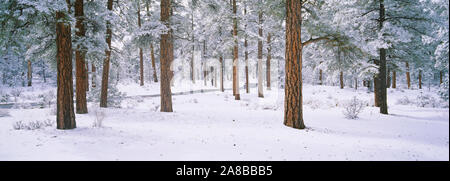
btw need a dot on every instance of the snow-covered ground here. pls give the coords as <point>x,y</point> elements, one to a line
<point>213,126</point>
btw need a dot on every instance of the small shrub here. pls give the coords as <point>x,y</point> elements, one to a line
<point>353,107</point>
<point>404,101</point>
<point>425,100</point>
<point>32,125</point>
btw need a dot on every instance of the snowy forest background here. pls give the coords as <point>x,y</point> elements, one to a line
<point>229,71</point>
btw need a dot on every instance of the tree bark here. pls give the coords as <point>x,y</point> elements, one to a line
<point>155,75</point>
<point>86,81</point>
<point>247,85</point>
<point>440,77</point>
<point>166,58</point>
<point>193,50</point>
<point>356,83</point>
<point>269,58</point>
<point>236,52</point>
<point>260,56</point>
<point>293,111</point>
<point>94,75</point>
<point>105,77</point>
<point>420,79</point>
<point>394,79</point>
<point>341,79</point>
<point>221,74</point>
<point>141,57</point>
<point>65,117</point>
<point>382,91</point>
<point>29,73</point>
<point>408,76</point>
<point>81,102</point>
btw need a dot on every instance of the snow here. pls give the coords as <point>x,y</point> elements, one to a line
<point>213,126</point>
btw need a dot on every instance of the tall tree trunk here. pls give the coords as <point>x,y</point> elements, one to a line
<point>193,50</point>
<point>320,76</point>
<point>236,52</point>
<point>420,79</point>
<point>293,110</point>
<point>155,76</point>
<point>260,56</point>
<point>141,56</point>
<point>166,58</point>
<point>356,83</point>
<point>29,73</point>
<point>408,76</point>
<point>394,79</point>
<point>382,91</point>
<point>81,104</point>
<point>94,75</point>
<point>65,116</point>
<point>221,74</point>
<point>205,69</point>
<point>269,58</point>
<point>388,80</point>
<point>375,92</point>
<point>86,80</point>
<point>105,77</point>
<point>341,79</point>
<point>440,77</point>
<point>247,85</point>
<point>43,74</point>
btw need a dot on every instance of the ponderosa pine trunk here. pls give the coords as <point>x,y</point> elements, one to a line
<point>221,74</point>
<point>236,52</point>
<point>155,75</point>
<point>29,73</point>
<point>247,85</point>
<point>382,90</point>
<point>65,116</point>
<point>293,111</point>
<point>394,79</point>
<point>269,58</point>
<point>166,58</point>
<point>86,81</point>
<point>94,75</point>
<point>408,76</point>
<point>260,55</point>
<point>105,76</point>
<point>81,102</point>
<point>420,79</point>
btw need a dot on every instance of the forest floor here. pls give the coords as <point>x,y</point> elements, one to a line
<point>213,126</point>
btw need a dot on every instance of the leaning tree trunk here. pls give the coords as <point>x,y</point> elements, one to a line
<point>260,56</point>
<point>236,52</point>
<point>269,58</point>
<point>105,77</point>
<point>408,76</point>
<point>65,116</point>
<point>166,58</point>
<point>81,104</point>
<point>382,91</point>
<point>293,111</point>
<point>29,73</point>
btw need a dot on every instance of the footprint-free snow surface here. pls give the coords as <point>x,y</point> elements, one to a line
<point>213,126</point>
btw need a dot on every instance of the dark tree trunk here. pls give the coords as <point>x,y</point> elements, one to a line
<point>394,79</point>
<point>65,116</point>
<point>260,56</point>
<point>105,76</point>
<point>87,75</point>
<point>440,77</point>
<point>166,58</point>
<point>94,75</point>
<point>269,58</point>
<point>293,111</point>
<point>341,80</point>
<point>221,74</point>
<point>356,83</point>
<point>193,50</point>
<point>29,73</point>
<point>388,80</point>
<point>81,104</point>
<point>382,91</point>
<point>236,52</point>
<point>408,76</point>
<point>420,79</point>
<point>141,56</point>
